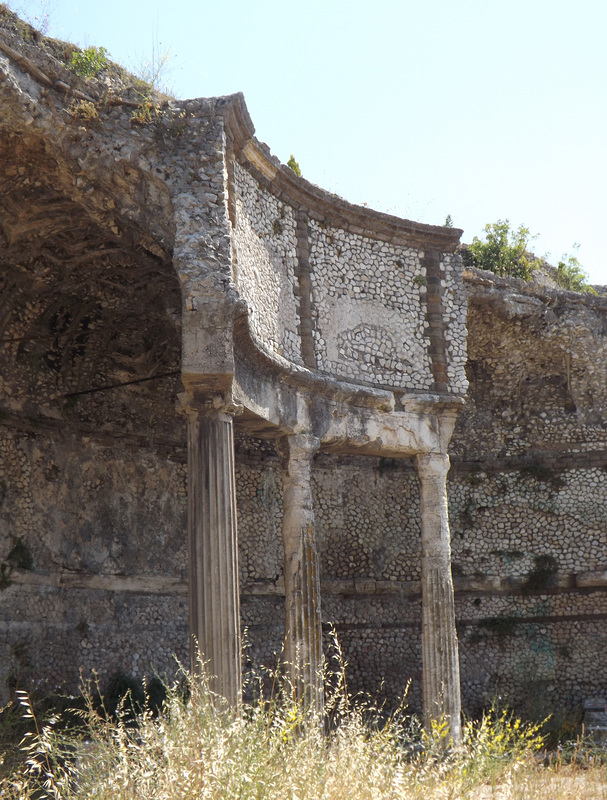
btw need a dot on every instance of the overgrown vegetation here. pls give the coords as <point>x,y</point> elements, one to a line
<point>148,85</point>
<point>37,22</point>
<point>89,62</point>
<point>503,250</point>
<point>188,746</point>
<point>294,165</point>
<point>570,274</point>
<point>84,109</point>
<point>192,749</point>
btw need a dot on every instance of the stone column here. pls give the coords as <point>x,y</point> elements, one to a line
<point>440,658</point>
<point>303,631</point>
<point>213,551</point>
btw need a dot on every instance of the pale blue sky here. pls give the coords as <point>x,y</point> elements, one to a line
<point>480,109</point>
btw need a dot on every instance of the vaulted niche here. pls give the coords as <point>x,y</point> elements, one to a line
<point>89,319</point>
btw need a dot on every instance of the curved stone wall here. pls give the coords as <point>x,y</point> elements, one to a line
<point>347,292</point>
<point>265,256</point>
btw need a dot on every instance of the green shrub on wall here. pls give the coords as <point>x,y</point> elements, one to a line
<point>294,165</point>
<point>570,274</point>
<point>503,251</point>
<point>89,62</point>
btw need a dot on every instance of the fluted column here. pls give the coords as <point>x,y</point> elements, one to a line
<point>213,551</point>
<point>440,657</point>
<point>303,630</point>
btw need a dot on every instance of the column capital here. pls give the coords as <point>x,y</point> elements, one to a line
<point>217,406</point>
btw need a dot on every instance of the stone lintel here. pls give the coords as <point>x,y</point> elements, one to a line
<point>595,579</point>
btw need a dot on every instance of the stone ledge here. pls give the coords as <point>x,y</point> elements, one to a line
<point>553,459</point>
<point>140,584</point>
<point>593,580</point>
<point>348,587</point>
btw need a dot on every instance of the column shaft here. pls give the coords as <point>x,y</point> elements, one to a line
<point>303,630</point>
<point>440,657</point>
<point>213,553</point>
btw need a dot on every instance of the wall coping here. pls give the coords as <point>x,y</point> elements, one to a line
<point>480,283</point>
<point>321,205</point>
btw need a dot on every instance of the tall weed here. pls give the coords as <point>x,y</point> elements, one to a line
<point>194,747</point>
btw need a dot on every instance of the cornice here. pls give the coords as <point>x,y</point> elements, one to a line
<point>319,204</point>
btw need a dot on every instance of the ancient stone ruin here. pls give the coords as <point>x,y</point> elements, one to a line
<point>228,402</point>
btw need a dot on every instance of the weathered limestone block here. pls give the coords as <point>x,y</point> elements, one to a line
<point>441,679</point>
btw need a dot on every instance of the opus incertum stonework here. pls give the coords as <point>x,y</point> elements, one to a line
<point>228,402</point>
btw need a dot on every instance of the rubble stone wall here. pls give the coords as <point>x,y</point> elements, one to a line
<point>265,243</point>
<point>97,330</point>
<point>100,511</point>
<point>369,314</point>
<point>360,294</point>
<point>527,498</point>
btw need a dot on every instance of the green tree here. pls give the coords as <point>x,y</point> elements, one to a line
<point>89,62</point>
<point>503,251</point>
<point>570,273</point>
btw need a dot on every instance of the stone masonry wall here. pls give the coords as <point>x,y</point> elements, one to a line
<point>369,315</point>
<point>350,304</point>
<point>99,217</point>
<point>369,543</point>
<point>528,489</point>
<point>456,321</point>
<point>100,513</point>
<point>264,243</point>
<point>114,283</point>
<point>86,522</point>
<point>537,378</point>
<point>527,499</point>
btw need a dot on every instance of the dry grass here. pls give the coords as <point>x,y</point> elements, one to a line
<point>193,749</point>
